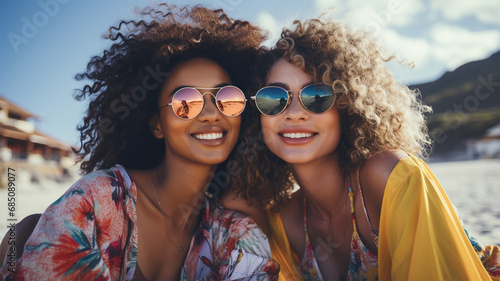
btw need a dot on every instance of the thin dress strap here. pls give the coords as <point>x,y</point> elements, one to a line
<point>363,203</point>
<point>351,199</point>
<point>308,265</point>
<point>305,221</point>
<point>363,263</point>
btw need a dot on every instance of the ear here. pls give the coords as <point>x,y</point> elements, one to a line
<point>154,126</point>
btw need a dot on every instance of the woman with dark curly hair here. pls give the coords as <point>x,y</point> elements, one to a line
<point>334,119</point>
<point>163,119</point>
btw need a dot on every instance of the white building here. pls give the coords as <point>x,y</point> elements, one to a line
<point>23,147</point>
<point>486,147</point>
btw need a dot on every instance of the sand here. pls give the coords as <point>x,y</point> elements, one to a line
<point>473,187</point>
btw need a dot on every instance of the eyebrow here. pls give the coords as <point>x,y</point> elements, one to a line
<point>187,86</point>
<point>286,87</point>
<point>278,84</point>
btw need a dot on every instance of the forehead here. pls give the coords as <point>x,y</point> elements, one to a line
<point>197,72</point>
<point>286,73</point>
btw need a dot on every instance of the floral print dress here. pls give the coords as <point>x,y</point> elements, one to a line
<point>90,233</point>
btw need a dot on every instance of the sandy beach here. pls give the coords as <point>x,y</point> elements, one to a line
<point>473,187</point>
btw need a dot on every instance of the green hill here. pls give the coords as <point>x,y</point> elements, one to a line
<point>465,102</point>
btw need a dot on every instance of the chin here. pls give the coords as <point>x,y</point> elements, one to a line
<point>297,159</point>
<point>302,157</point>
<point>214,160</point>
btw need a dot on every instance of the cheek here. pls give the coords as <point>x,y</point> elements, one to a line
<point>171,124</point>
<point>268,125</point>
<point>333,126</point>
<point>234,132</point>
<point>235,124</point>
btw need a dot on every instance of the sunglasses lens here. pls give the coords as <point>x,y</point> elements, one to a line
<point>318,98</point>
<point>271,100</point>
<point>231,101</point>
<point>187,103</point>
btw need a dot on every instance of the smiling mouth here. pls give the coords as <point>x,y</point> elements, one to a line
<point>209,136</point>
<point>297,135</point>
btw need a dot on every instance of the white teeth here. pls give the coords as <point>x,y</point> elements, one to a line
<point>297,135</point>
<point>211,136</point>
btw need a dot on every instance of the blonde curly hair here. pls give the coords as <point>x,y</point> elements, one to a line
<point>377,112</point>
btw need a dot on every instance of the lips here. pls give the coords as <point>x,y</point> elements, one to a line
<point>297,136</point>
<point>208,136</point>
<point>211,136</point>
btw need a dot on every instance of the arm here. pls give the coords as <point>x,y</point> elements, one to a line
<point>233,202</point>
<point>63,246</point>
<point>421,237</point>
<point>273,228</point>
<point>242,251</point>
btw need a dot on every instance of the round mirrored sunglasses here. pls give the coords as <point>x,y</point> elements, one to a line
<point>188,102</point>
<point>273,100</point>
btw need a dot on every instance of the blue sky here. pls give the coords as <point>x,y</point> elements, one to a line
<point>44,43</point>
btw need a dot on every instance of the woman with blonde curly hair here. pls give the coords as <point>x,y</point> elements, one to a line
<point>335,120</point>
<point>147,208</point>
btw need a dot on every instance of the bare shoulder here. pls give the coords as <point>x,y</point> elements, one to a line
<point>378,169</point>
<point>230,200</point>
<point>375,172</point>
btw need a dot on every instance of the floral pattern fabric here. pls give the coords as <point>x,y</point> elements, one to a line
<point>90,233</point>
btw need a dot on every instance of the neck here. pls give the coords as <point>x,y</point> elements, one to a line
<point>180,187</point>
<point>322,182</point>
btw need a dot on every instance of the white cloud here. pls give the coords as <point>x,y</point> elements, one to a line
<point>324,5</point>
<point>454,46</point>
<point>486,11</point>
<point>266,21</point>
<point>382,13</point>
<point>448,45</point>
<point>440,47</point>
<point>413,49</point>
<point>406,12</point>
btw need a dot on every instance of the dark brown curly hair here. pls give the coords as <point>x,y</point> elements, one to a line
<point>376,112</point>
<point>127,78</point>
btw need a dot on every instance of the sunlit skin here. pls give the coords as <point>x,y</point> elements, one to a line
<point>182,136</point>
<point>321,131</point>
<point>182,178</point>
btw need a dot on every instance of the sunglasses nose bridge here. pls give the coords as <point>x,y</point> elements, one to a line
<point>211,100</point>
<point>295,109</point>
<point>209,109</point>
<point>204,93</point>
<point>294,98</point>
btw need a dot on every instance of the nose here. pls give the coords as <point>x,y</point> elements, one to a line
<point>209,113</point>
<point>295,111</point>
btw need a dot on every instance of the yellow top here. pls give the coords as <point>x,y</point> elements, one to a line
<point>280,249</point>
<point>420,234</point>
